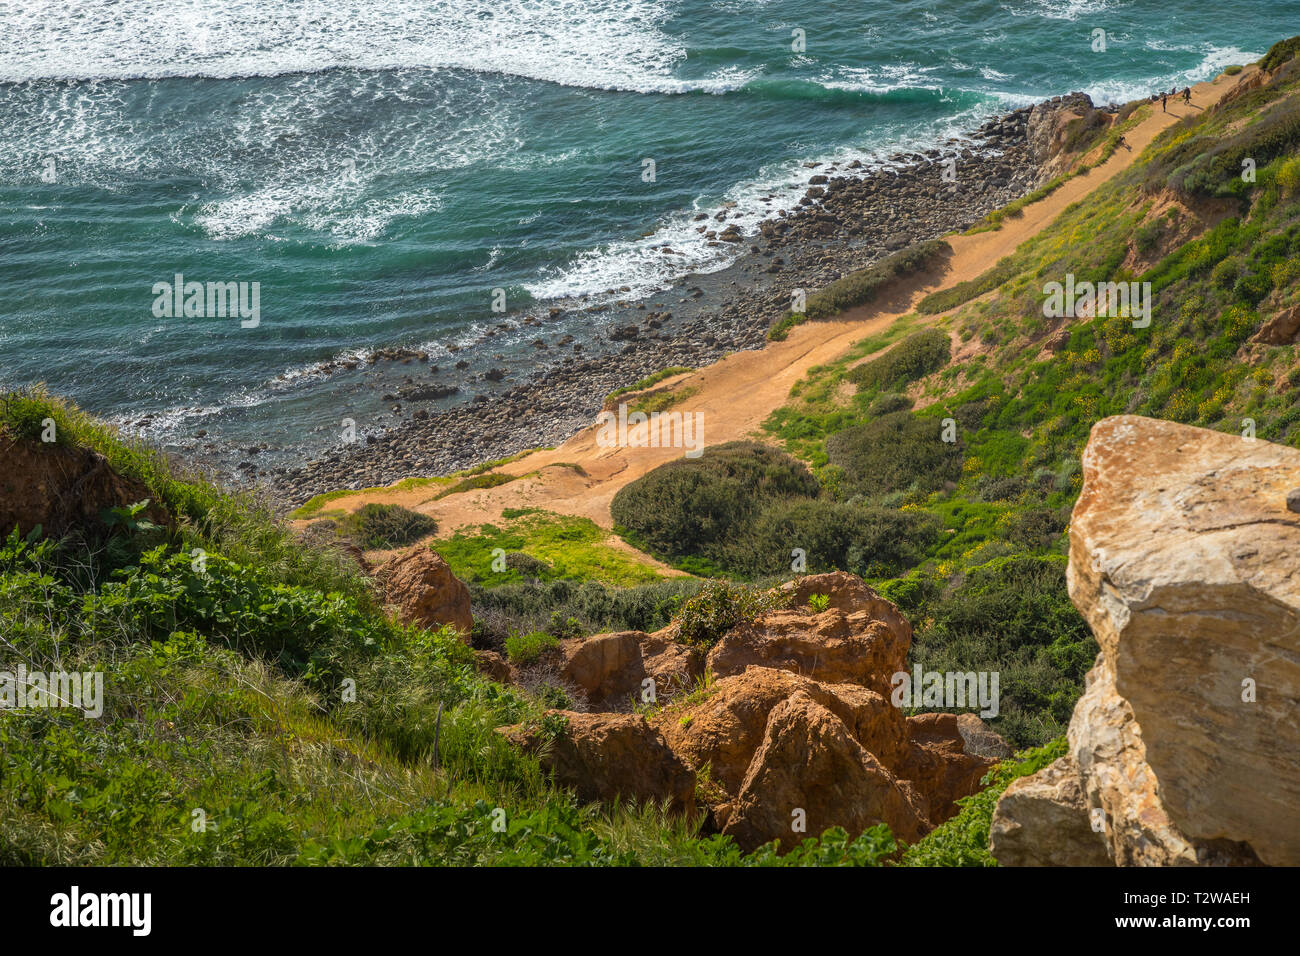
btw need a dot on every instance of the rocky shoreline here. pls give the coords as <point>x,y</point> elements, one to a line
<point>849,217</point>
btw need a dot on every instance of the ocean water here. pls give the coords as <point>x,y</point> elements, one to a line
<point>380,169</point>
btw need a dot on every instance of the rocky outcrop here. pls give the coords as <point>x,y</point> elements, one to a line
<point>808,774</point>
<point>58,488</point>
<point>726,729</point>
<point>1047,129</point>
<point>939,764</point>
<point>795,731</point>
<point>980,739</point>
<point>1182,554</point>
<point>672,666</point>
<point>607,668</point>
<point>860,638</point>
<point>795,676</point>
<point>420,584</point>
<point>1281,329</point>
<point>604,757</point>
<point>492,665</point>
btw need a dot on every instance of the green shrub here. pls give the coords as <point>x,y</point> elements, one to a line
<point>1279,53</point>
<point>1013,615</point>
<point>721,605</point>
<point>835,536</point>
<point>889,402</point>
<point>916,356</point>
<point>894,453</point>
<point>690,507</point>
<point>860,287</point>
<point>596,606</point>
<point>383,527</point>
<point>527,648</point>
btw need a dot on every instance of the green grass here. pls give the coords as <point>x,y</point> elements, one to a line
<point>527,648</point>
<point>864,285</point>
<point>568,547</point>
<point>476,482</point>
<point>652,379</point>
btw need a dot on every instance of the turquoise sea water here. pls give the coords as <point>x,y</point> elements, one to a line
<point>379,169</point>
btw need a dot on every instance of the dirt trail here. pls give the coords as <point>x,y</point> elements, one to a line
<point>736,394</point>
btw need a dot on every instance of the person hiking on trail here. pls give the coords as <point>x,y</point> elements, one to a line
<point>1164,97</point>
<point>1187,94</point>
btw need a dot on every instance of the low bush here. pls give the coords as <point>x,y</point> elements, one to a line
<point>382,527</point>
<point>914,357</point>
<point>860,287</point>
<point>691,507</point>
<point>721,605</point>
<point>894,453</point>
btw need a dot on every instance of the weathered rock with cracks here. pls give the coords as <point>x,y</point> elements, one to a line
<point>1182,560</point>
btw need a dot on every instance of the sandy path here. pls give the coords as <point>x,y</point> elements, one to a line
<point>735,395</point>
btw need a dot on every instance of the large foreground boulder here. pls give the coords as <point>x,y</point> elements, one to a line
<point>1182,560</point>
<point>420,584</point>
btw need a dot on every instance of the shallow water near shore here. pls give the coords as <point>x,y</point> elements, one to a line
<point>380,172</point>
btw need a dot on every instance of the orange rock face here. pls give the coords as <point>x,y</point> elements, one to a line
<point>59,488</point>
<point>420,584</point>
<point>861,638</point>
<point>611,756</point>
<point>796,732</point>
<point>808,774</point>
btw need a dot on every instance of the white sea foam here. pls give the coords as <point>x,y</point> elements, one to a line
<point>644,267</point>
<point>1213,60</point>
<point>603,44</point>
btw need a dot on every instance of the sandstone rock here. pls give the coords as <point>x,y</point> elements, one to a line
<point>861,638</point>
<point>425,592</point>
<point>1281,329</point>
<point>493,665</point>
<point>980,739</point>
<point>1181,560</point>
<point>1043,820</point>
<point>606,667</point>
<point>675,667</point>
<point>608,756</point>
<point>939,765</point>
<point>1182,556</point>
<point>809,762</point>
<point>725,730</point>
<point>60,488</point>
